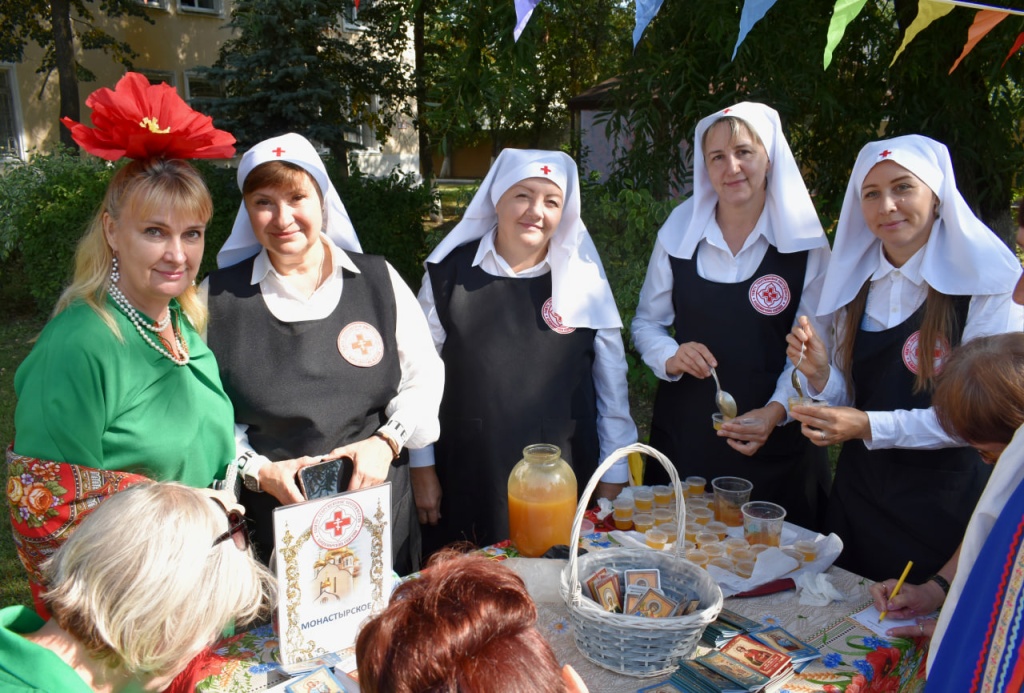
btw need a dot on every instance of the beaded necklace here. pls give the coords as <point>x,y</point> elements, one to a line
<point>144,326</point>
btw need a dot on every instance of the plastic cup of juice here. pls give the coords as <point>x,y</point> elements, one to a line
<point>691,530</point>
<point>743,555</point>
<point>721,562</point>
<point>807,549</point>
<point>701,516</point>
<point>715,549</point>
<point>663,516</point>
<point>663,496</point>
<point>744,568</point>
<point>643,521</point>
<point>704,538</point>
<point>719,528</point>
<point>731,492</point>
<point>622,513</point>
<point>697,556</point>
<point>656,538</point>
<point>671,533</point>
<point>762,522</point>
<point>695,485</point>
<point>643,498</point>
<point>735,544</point>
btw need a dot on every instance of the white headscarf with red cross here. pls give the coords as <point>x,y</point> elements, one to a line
<point>794,221</point>
<point>962,257</point>
<point>580,291</point>
<point>295,149</point>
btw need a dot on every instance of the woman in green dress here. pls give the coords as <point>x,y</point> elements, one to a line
<point>119,387</point>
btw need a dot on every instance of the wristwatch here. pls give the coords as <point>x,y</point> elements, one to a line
<point>942,582</point>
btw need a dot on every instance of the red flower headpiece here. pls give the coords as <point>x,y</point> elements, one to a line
<point>141,121</point>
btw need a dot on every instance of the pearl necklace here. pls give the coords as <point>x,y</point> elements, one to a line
<point>142,326</point>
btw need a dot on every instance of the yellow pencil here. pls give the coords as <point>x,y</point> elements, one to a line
<point>896,589</point>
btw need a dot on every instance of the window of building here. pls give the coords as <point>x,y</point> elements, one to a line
<point>158,76</point>
<point>200,86</point>
<point>209,6</point>
<point>10,126</point>
<point>157,4</point>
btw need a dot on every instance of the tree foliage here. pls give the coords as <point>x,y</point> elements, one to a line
<point>295,67</point>
<point>682,71</point>
<point>55,27</point>
<point>481,82</point>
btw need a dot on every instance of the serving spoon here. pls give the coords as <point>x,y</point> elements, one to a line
<point>726,404</point>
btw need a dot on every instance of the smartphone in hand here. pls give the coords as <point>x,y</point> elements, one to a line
<point>325,478</point>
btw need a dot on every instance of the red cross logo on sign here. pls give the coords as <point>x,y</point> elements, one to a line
<point>769,295</point>
<point>338,523</point>
<point>362,344</point>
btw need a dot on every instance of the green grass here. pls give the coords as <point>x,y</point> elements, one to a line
<point>16,335</point>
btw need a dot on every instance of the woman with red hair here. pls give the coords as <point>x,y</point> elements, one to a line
<point>466,624</point>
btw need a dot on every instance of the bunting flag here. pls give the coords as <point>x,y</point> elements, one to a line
<point>984,22</point>
<point>524,9</point>
<point>753,12</point>
<point>845,12</point>
<point>1016,47</point>
<point>645,12</point>
<point>927,12</point>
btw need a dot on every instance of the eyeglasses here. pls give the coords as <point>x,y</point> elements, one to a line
<point>237,529</point>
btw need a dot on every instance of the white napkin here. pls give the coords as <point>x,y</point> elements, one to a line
<point>816,589</point>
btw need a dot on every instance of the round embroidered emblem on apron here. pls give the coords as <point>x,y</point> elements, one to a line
<point>910,358</point>
<point>360,344</point>
<point>769,294</point>
<point>553,319</point>
<point>337,524</point>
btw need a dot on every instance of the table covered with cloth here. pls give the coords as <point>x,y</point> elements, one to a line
<point>854,659</point>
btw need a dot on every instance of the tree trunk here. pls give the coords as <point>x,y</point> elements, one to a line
<point>64,53</point>
<point>426,154</point>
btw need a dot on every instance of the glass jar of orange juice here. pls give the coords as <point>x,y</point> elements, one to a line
<point>541,500</point>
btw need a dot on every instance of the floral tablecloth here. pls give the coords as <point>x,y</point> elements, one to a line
<point>855,660</point>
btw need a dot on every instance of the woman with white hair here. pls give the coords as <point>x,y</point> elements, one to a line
<point>134,602</point>
<point>913,274</point>
<point>521,311</point>
<point>733,267</point>
<point>322,349</point>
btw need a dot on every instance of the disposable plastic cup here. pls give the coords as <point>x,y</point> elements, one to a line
<point>697,556</point>
<point>656,538</point>
<point>704,538</point>
<point>643,521</point>
<point>695,485</point>
<point>701,516</point>
<point>807,549</point>
<point>643,498</point>
<point>719,528</point>
<point>731,492</point>
<point>762,522</point>
<point>663,496</point>
<point>663,516</point>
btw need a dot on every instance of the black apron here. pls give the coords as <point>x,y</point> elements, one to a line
<point>511,380</point>
<point>893,505</point>
<point>745,326</point>
<point>290,384</point>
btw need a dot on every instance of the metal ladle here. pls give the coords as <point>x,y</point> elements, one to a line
<point>726,404</point>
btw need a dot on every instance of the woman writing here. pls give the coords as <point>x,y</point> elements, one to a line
<point>913,274</point>
<point>127,614</point>
<point>119,387</point>
<point>323,350</point>
<point>522,314</point>
<point>732,268</point>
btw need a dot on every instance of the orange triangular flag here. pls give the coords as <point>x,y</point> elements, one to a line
<point>1016,47</point>
<point>927,12</point>
<point>984,22</point>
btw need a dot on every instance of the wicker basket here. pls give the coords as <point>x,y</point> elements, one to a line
<point>636,645</point>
